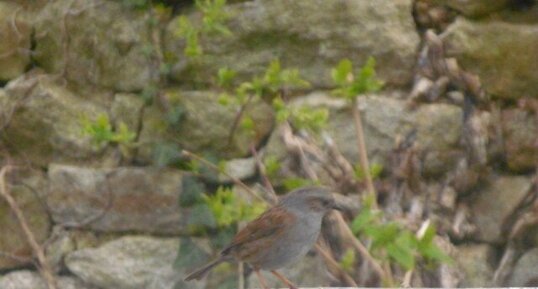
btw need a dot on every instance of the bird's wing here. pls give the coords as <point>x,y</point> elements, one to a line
<point>260,233</point>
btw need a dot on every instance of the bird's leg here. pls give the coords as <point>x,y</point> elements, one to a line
<point>263,283</point>
<point>284,279</point>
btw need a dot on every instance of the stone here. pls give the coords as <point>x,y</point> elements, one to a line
<point>495,202</point>
<point>525,273</point>
<point>310,35</point>
<point>127,108</point>
<point>238,168</point>
<point>520,129</point>
<point>27,190</point>
<point>505,62</point>
<point>385,117</point>
<point>474,8</point>
<point>309,272</point>
<point>15,32</point>
<point>124,199</point>
<point>95,44</point>
<point>204,125</point>
<point>131,262</point>
<point>26,279</point>
<point>474,262</point>
<point>43,122</point>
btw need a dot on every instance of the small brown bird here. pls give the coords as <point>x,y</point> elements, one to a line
<point>281,235</point>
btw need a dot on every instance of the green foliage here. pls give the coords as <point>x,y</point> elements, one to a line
<point>375,171</point>
<point>214,15</point>
<point>272,165</point>
<point>268,87</point>
<point>228,209</point>
<point>137,4</point>
<point>213,18</point>
<point>166,153</point>
<point>226,77</point>
<point>350,85</point>
<point>273,80</point>
<point>348,259</point>
<point>295,183</point>
<point>191,35</point>
<point>311,119</point>
<point>304,117</point>
<point>393,241</point>
<point>101,132</point>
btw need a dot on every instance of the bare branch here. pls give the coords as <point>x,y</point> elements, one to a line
<point>38,251</point>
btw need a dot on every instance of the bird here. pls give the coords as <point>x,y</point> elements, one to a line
<point>280,236</point>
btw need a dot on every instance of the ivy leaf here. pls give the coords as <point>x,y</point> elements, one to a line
<point>189,255</point>
<point>165,153</point>
<point>191,191</point>
<point>201,216</point>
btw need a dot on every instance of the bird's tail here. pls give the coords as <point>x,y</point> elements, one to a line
<point>201,272</point>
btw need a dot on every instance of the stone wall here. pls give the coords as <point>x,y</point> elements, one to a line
<point>110,215</point>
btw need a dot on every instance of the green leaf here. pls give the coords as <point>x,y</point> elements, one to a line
<point>434,254</point>
<point>226,77</point>
<point>295,183</point>
<point>382,234</point>
<point>402,250</point>
<point>342,74</point>
<point>311,119</point>
<point>123,135</point>
<point>272,165</point>
<point>364,219</point>
<point>348,259</point>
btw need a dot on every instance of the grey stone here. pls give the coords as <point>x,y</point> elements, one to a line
<point>474,8</point>
<point>131,262</point>
<point>118,200</point>
<point>495,202</point>
<point>27,190</point>
<point>473,262</point>
<point>32,280</point>
<point>310,35</point>
<point>204,126</point>
<point>95,44</point>
<point>500,53</point>
<point>127,108</point>
<point>42,122</point>
<point>15,31</point>
<point>520,128</point>
<point>525,273</point>
<point>309,272</point>
<point>239,168</point>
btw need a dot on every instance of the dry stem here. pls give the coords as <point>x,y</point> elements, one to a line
<point>44,268</point>
<point>363,155</point>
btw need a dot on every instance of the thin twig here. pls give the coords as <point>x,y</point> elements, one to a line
<point>364,251</point>
<point>363,155</point>
<point>238,117</point>
<point>43,267</point>
<point>324,252</point>
<point>263,173</point>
